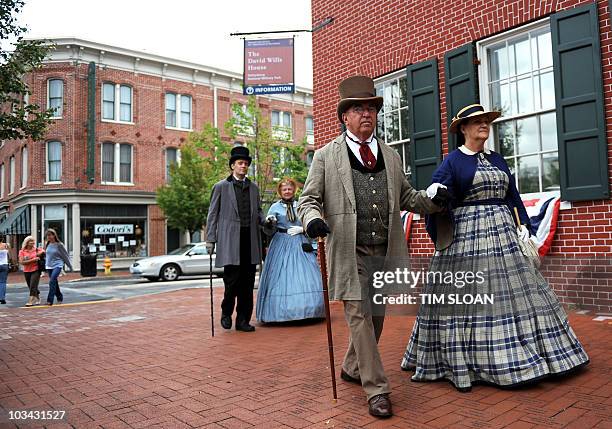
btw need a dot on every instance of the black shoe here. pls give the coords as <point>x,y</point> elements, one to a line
<point>244,327</point>
<point>226,321</point>
<point>346,377</point>
<point>380,406</point>
<point>2,301</point>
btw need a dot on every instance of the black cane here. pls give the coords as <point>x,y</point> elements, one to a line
<point>330,340</point>
<point>212,318</point>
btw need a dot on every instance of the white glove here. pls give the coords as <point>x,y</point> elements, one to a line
<point>432,190</point>
<point>271,219</point>
<point>210,247</point>
<point>523,233</point>
<point>295,230</point>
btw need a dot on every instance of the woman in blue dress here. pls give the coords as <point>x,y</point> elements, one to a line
<point>290,284</point>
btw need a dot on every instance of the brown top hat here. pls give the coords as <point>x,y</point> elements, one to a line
<point>468,112</point>
<point>357,89</point>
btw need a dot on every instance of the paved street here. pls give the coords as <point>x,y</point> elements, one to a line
<point>150,362</point>
<point>77,290</point>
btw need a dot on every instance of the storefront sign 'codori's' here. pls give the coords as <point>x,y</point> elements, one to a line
<point>113,229</point>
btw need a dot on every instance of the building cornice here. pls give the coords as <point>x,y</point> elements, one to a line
<point>80,51</point>
<point>72,196</point>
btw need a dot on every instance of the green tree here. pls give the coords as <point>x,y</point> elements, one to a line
<point>182,199</point>
<point>216,154</point>
<point>19,119</point>
<point>274,153</point>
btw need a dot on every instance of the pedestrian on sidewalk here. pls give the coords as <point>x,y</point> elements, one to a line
<point>30,258</point>
<point>4,270</point>
<point>55,259</point>
<point>290,284</point>
<point>355,190</point>
<point>234,226</point>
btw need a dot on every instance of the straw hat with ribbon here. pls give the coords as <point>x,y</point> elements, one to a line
<point>355,90</point>
<point>471,111</point>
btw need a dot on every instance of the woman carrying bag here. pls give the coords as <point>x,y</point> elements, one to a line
<point>55,259</point>
<point>290,285</point>
<point>30,258</point>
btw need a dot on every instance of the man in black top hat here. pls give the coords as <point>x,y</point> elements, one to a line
<point>234,220</point>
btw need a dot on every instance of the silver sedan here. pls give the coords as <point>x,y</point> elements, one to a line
<point>191,259</point>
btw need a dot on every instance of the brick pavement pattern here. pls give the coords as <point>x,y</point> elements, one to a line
<point>150,362</point>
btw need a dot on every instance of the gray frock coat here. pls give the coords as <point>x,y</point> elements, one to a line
<point>223,223</point>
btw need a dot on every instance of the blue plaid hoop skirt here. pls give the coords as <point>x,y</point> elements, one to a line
<point>524,335</point>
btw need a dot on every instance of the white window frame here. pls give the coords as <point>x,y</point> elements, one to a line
<point>24,167</point>
<point>117,165</point>
<point>117,104</point>
<point>12,174</point>
<point>49,97</point>
<point>382,139</point>
<point>47,181</point>
<point>282,131</point>
<point>178,160</point>
<point>178,112</point>
<point>309,133</point>
<point>2,180</point>
<point>483,79</point>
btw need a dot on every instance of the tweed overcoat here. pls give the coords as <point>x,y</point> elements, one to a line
<point>329,194</point>
<point>223,223</point>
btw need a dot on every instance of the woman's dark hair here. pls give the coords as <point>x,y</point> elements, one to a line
<point>54,233</point>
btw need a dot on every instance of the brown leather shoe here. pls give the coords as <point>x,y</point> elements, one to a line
<point>380,406</point>
<point>344,375</point>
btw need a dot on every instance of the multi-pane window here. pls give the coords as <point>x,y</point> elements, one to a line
<point>116,163</point>
<point>172,157</point>
<point>181,104</point>
<point>519,82</point>
<point>12,175</point>
<point>108,162</point>
<point>116,102</point>
<point>309,123</point>
<point>24,167</point>
<point>281,125</point>
<point>392,122</point>
<point>55,96</point>
<point>54,161</point>
<point>309,157</point>
<point>245,121</point>
<point>1,180</point>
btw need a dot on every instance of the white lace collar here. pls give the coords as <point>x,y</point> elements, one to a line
<point>467,151</point>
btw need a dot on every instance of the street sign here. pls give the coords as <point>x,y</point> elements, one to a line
<point>268,67</point>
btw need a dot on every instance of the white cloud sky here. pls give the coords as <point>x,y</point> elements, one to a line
<point>196,31</point>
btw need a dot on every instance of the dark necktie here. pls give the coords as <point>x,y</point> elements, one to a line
<point>368,158</point>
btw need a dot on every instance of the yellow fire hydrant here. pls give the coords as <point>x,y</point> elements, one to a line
<point>107,265</point>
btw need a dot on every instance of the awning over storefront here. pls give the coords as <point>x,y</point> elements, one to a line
<point>17,222</point>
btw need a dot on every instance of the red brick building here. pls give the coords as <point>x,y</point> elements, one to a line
<point>546,64</point>
<point>121,118</point>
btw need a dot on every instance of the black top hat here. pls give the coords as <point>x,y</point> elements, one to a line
<point>239,152</point>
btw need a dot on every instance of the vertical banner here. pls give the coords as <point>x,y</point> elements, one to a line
<point>268,67</point>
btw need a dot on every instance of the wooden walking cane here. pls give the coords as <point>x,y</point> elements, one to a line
<point>330,340</point>
<point>212,319</point>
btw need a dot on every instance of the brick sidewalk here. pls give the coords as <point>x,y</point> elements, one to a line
<point>150,362</point>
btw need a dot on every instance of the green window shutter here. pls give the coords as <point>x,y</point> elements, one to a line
<point>424,107</point>
<point>460,84</point>
<point>583,160</point>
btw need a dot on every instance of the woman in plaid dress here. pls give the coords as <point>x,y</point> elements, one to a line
<point>524,334</point>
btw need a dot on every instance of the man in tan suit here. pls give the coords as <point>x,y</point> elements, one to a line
<point>355,190</point>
